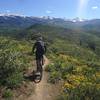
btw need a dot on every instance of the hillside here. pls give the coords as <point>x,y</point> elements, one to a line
<point>66,40</point>
<point>73,49</point>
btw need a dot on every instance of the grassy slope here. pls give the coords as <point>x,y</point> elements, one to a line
<point>15,57</point>
<point>74,63</point>
<point>75,43</point>
<point>60,41</point>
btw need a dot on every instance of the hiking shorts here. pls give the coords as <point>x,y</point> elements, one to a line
<point>39,56</point>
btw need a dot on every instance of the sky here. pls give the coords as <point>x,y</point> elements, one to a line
<point>87,9</point>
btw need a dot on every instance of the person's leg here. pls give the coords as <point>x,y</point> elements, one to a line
<point>37,64</point>
<point>42,60</point>
<point>41,64</point>
<point>39,61</point>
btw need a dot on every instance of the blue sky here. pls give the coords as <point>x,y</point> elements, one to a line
<point>55,8</point>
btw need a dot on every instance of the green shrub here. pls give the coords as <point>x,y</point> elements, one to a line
<point>54,77</point>
<point>81,79</point>
<point>12,65</point>
<point>50,67</point>
<point>15,80</point>
<point>8,95</point>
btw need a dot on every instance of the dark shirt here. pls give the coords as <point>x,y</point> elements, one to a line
<point>39,46</point>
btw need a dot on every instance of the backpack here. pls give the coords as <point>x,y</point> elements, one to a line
<point>40,47</point>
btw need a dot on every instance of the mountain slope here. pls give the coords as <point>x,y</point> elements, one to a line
<point>63,40</point>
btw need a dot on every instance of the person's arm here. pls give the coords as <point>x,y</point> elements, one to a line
<point>33,48</point>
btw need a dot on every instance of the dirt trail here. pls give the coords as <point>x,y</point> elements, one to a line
<point>44,90</point>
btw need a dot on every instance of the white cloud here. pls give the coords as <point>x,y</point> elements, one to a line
<point>48,11</point>
<point>95,7</point>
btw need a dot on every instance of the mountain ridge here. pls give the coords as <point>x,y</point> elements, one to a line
<point>43,18</point>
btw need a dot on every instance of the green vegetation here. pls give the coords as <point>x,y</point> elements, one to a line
<point>81,79</point>
<point>74,55</point>
<point>8,94</point>
<point>14,60</point>
<point>75,61</point>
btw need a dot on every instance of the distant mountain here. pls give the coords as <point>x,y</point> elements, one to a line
<point>18,21</point>
<point>14,22</point>
<point>7,20</point>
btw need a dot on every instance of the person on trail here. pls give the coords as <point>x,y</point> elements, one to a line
<point>40,50</point>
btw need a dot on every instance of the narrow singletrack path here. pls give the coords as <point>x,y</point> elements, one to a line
<point>44,90</point>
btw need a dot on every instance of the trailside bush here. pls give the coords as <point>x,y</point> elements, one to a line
<point>81,79</point>
<point>11,67</point>
<point>7,94</point>
<point>54,77</point>
<point>15,80</point>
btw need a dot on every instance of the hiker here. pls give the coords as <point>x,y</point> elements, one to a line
<point>40,50</point>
